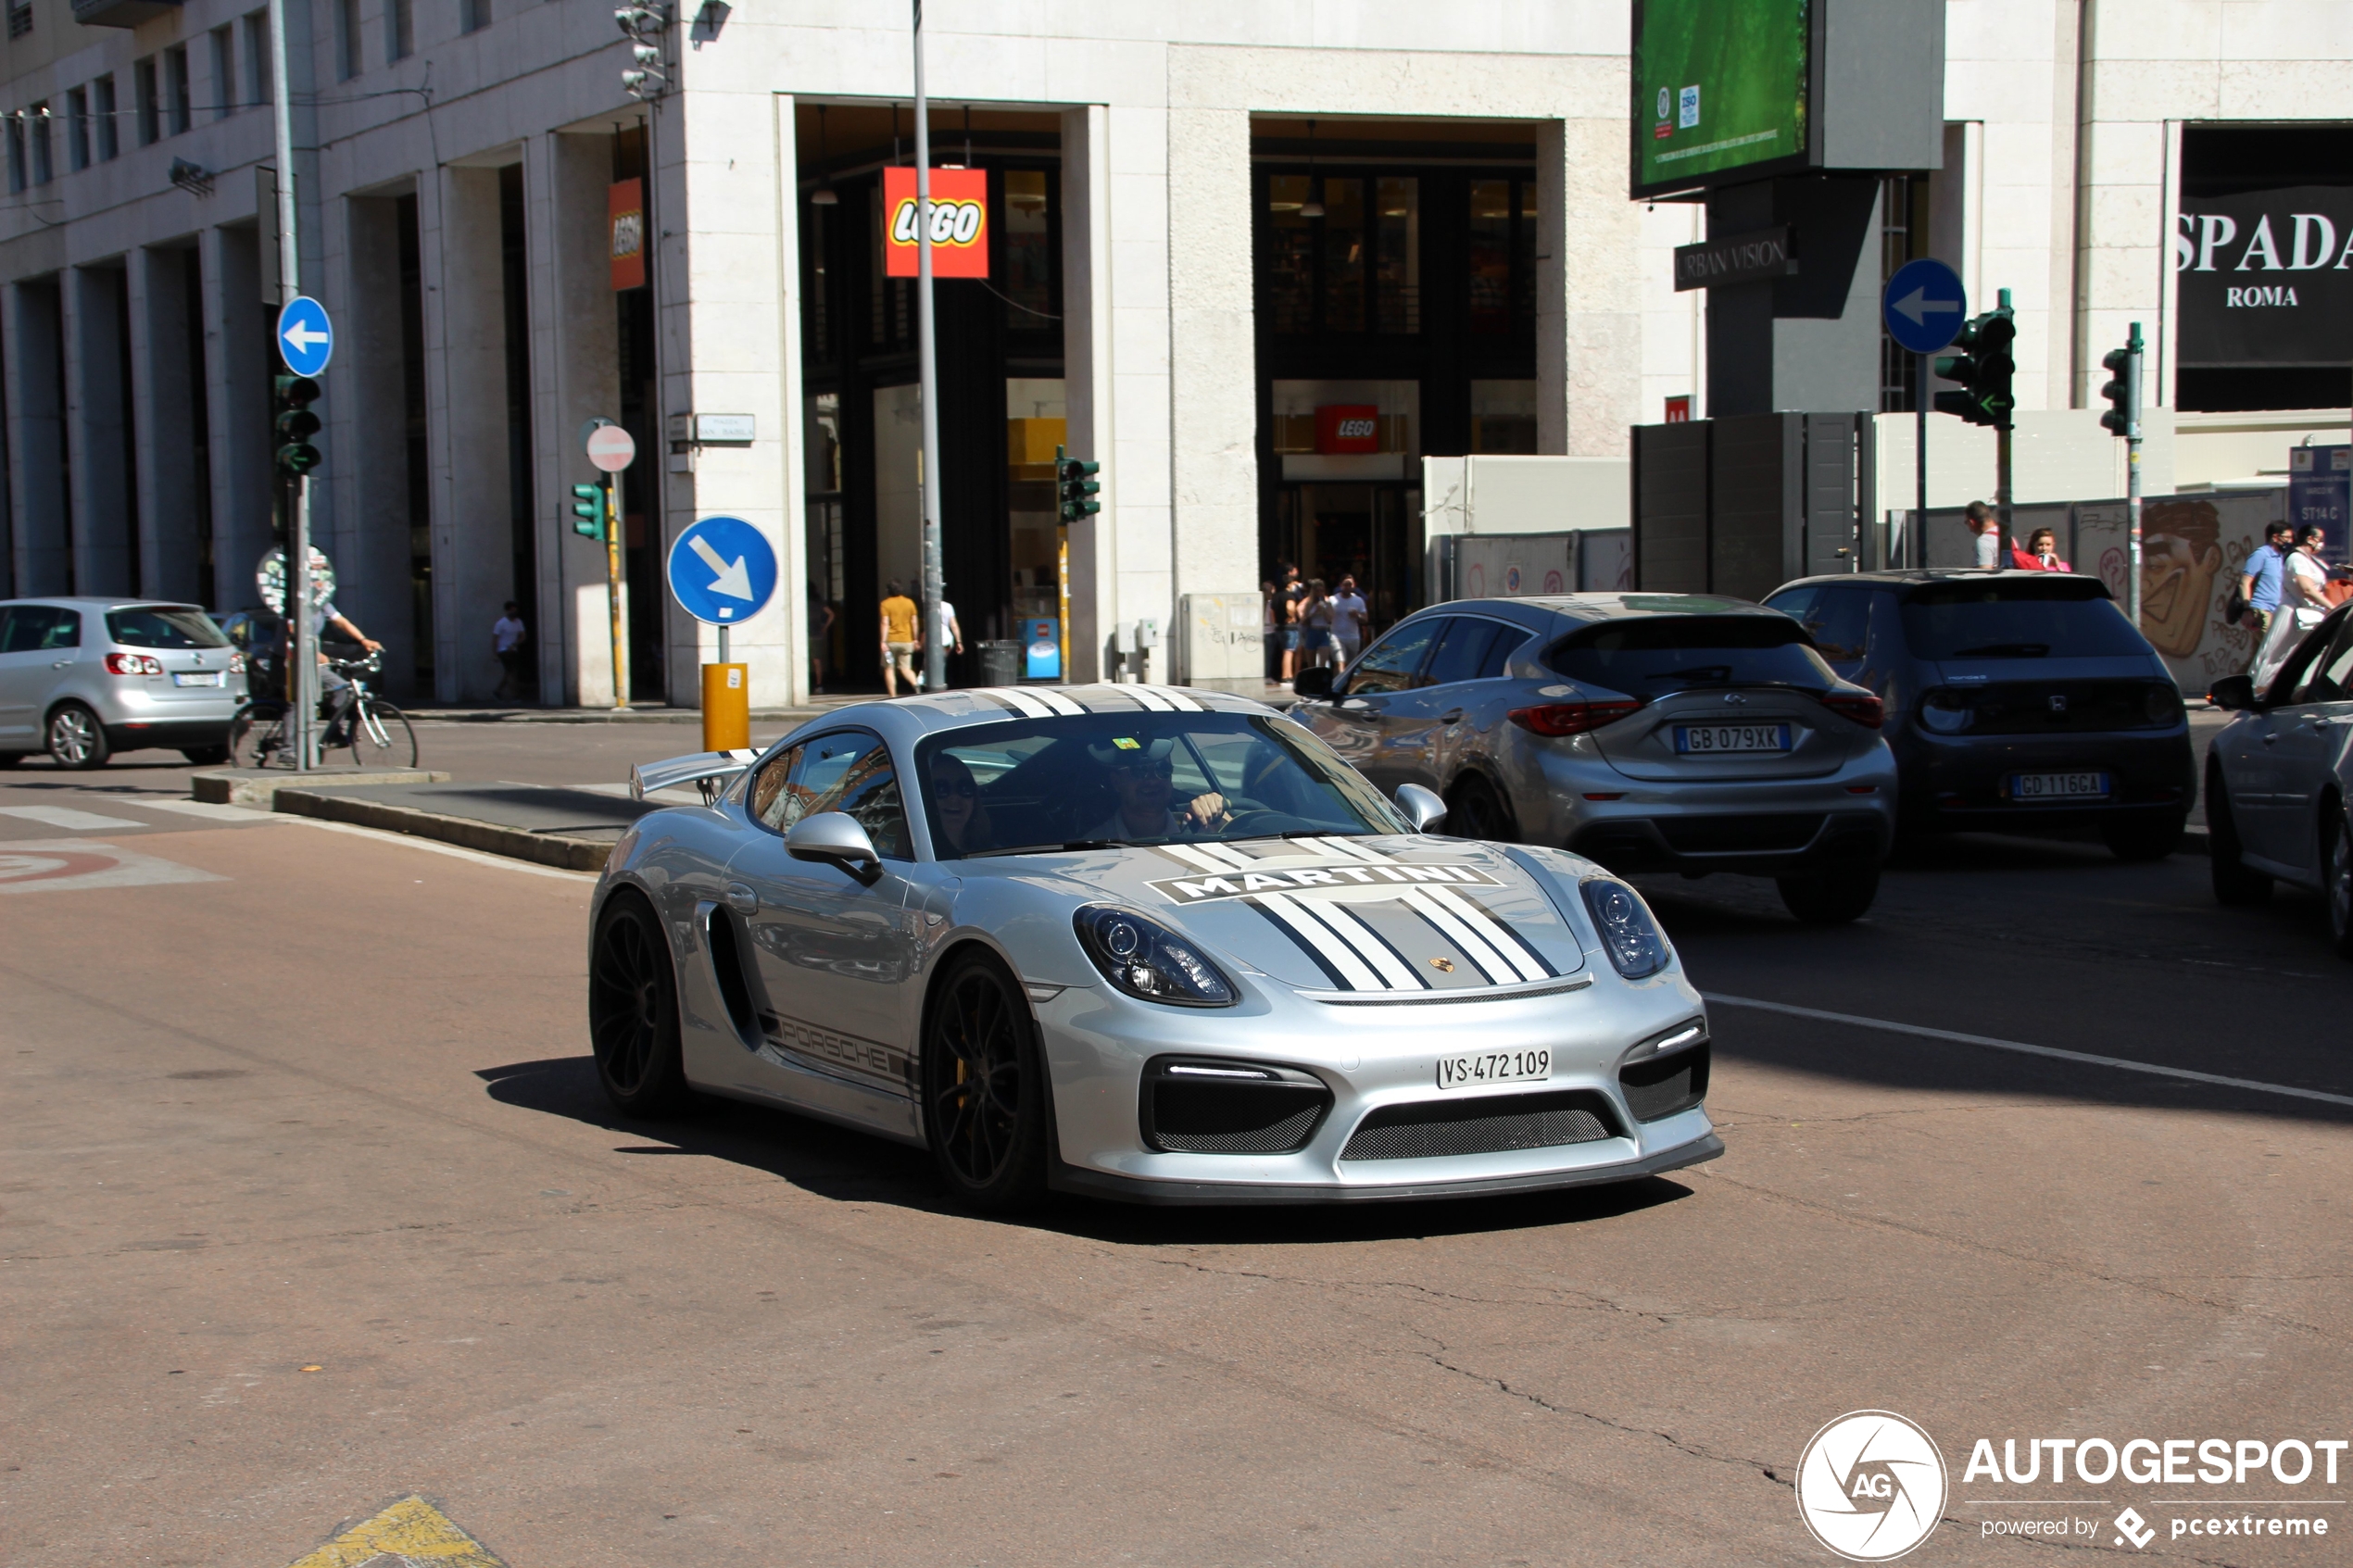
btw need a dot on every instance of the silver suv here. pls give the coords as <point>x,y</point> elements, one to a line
<point>1650,732</point>
<point>84,678</point>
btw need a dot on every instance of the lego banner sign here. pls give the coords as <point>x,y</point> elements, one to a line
<point>959,224</point>
<point>1347,428</point>
<point>626,205</point>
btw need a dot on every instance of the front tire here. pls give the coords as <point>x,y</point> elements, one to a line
<point>1475,810</point>
<point>2235,885</point>
<point>633,1011</point>
<point>76,738</point>
<point>987,1101</point>
<point>1837,894</point>
<point>2131,838</point>
<point>381,737</point>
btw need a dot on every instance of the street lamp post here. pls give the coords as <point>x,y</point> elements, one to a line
<point>301,655</point>
<point>927,474</point>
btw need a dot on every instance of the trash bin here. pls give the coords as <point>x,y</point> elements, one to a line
<point>1000,662</point>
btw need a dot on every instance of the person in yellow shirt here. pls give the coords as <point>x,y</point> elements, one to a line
<point>901,637</point>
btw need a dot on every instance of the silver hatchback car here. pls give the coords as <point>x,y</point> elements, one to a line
<point>84,678</point>
<point>1649,731</point>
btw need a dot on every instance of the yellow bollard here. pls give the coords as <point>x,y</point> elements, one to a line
<point>726,707</point>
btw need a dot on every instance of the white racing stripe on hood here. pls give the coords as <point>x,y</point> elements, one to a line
<point>1480,918</point>
<point>1367,943</point>
<point>1192,855</point>
<point>1346,849</point>
<point>1337,957</point>
<point>1493,964</point>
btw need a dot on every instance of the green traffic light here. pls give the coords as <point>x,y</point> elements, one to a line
<point>588,511</point>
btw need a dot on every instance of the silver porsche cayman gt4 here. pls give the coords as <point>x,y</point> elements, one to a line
<point>1139,942</point>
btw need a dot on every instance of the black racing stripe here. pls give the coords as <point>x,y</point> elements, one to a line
<point>1340,981</point>
<point>1499,924</point>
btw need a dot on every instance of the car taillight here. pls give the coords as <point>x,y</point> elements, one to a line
<point>1570,718</point>
<point>1861,707</point>
<point>134,664</point>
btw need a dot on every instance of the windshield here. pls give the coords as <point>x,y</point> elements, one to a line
<point>2055,618</point>
<point>164,628</point>
<point>1106,779</point>
<point>1651,658</point>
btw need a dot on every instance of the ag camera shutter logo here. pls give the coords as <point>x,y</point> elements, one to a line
<point>1870,1485</point>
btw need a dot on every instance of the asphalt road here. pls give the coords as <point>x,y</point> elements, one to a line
<point>285,1096</point>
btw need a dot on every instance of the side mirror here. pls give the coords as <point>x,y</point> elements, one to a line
<point>1314,682</point>
<point>2234,692</point>
<point>1422,807</point>
<point>836,839</point>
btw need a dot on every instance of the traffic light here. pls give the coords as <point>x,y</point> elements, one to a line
<point>2123,389</point>
<point>1075,487</point>
<point>1983,369</point>
<point>588,511</point>
<point>296,425</point>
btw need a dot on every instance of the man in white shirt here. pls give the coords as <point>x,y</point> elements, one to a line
<point>507,634</point>
<point>945,627</point>
<point>1350,621</point>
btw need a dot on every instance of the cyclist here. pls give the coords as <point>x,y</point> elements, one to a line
<point>334,695</point>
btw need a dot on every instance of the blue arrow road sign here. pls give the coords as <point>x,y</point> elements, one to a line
<point>1923,305</point>
<point>723,570</point>
<point>306,338</point>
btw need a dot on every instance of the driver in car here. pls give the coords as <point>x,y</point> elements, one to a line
<point>1143,777</point>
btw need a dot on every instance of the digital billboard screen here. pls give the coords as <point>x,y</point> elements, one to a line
<point>1722,89</point>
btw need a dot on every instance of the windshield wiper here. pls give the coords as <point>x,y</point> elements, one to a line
<point>1050,848</point>
<point>2003,651</point>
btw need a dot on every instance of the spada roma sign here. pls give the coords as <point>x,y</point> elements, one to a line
<point>959,224</point>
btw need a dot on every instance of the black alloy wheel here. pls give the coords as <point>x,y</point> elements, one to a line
<point>1837,894</point>
<point>633,1011</point>
<point>986,1103</point>
<point>1475,810</point>
<point>2336,868</point>
<point>2145,837</point>
<point>2234,883</point>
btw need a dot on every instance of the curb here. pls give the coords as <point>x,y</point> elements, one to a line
<point>467,832</point>
<point>259,786</point>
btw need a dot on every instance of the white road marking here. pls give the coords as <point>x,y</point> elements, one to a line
<point>218,813</point>
<point>2085,1058</point>
<point>67,816</point>
<point>413,842</point>
<point>65,865</point>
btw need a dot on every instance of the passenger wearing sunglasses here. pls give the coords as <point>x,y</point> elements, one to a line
<point>956,815</point>
<point>1144,780</point>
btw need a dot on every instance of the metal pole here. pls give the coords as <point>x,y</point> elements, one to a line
<point>301,642</point>
<point>2002,498</point>
<point>2134,346</point>
<point>613,591</point>
<point>927,480</point>
<point>1918,531</point>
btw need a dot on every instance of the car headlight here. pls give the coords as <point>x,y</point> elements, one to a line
<point>1145,958</point>
<point>1947,714</point>
<point>1635,944</point>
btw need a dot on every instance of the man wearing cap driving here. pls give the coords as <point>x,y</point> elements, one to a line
<point>1143,778</point>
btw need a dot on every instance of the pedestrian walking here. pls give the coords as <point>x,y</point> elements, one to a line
<point>1984,522</point>
<point>1350,621</point>
<point>508,636</point>
<point>903,635</point>
<point>1293,591</point>
<point>1270,628</point>
<point>945,627</point>
<point>821,638</point>
<point>2261,579</point>
<point>1318,647</point>
<point>2304,601</point>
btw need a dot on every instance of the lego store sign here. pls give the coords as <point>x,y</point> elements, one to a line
<point>1347,427</point>
<point>959,224</point>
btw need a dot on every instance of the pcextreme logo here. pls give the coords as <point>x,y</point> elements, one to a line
<point>1870,1485</point>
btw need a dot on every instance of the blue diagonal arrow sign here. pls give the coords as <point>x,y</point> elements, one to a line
<point>723,570</point>
<point>1923,305</point>
<point>306,338</point>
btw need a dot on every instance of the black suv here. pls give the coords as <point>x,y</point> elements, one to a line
<point>2014,700</point>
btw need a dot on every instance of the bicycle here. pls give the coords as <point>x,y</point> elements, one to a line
<point>377,733</point>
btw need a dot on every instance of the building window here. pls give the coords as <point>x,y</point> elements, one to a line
<point>400,29</point>
<point>37,134</point>
<point>224,72</point>
<point>348,62</point>
<point>19,18</point>
<point>1029,250</point>
<point>472,14</point>
<point>16,153</point>
<point>1397,270</point>
<point>1344,252</point>
<point>103,111</point>
<point>78,128</point>
<point>150,107</point>
<point>176,85</point>
<point>1903,237</point>
<point>258,55</point>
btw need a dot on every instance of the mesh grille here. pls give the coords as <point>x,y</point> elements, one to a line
<point>1243,1117</point>
<point>1666,1084</point>
<point>1276,1137</point>
<point>1706,836</point>
<point>1429,1131</point>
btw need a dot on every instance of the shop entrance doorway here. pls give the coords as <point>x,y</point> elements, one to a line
<point>1369,530</point>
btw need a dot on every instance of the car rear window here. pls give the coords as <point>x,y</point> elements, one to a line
<point>164,628</point>
<point>1661,654</point>
<point>2016,618</point>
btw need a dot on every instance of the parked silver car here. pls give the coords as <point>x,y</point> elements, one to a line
<point>84,678</point>
<point>1141,943</point>
<point>2279,779</point>
<point>1650,732</point>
